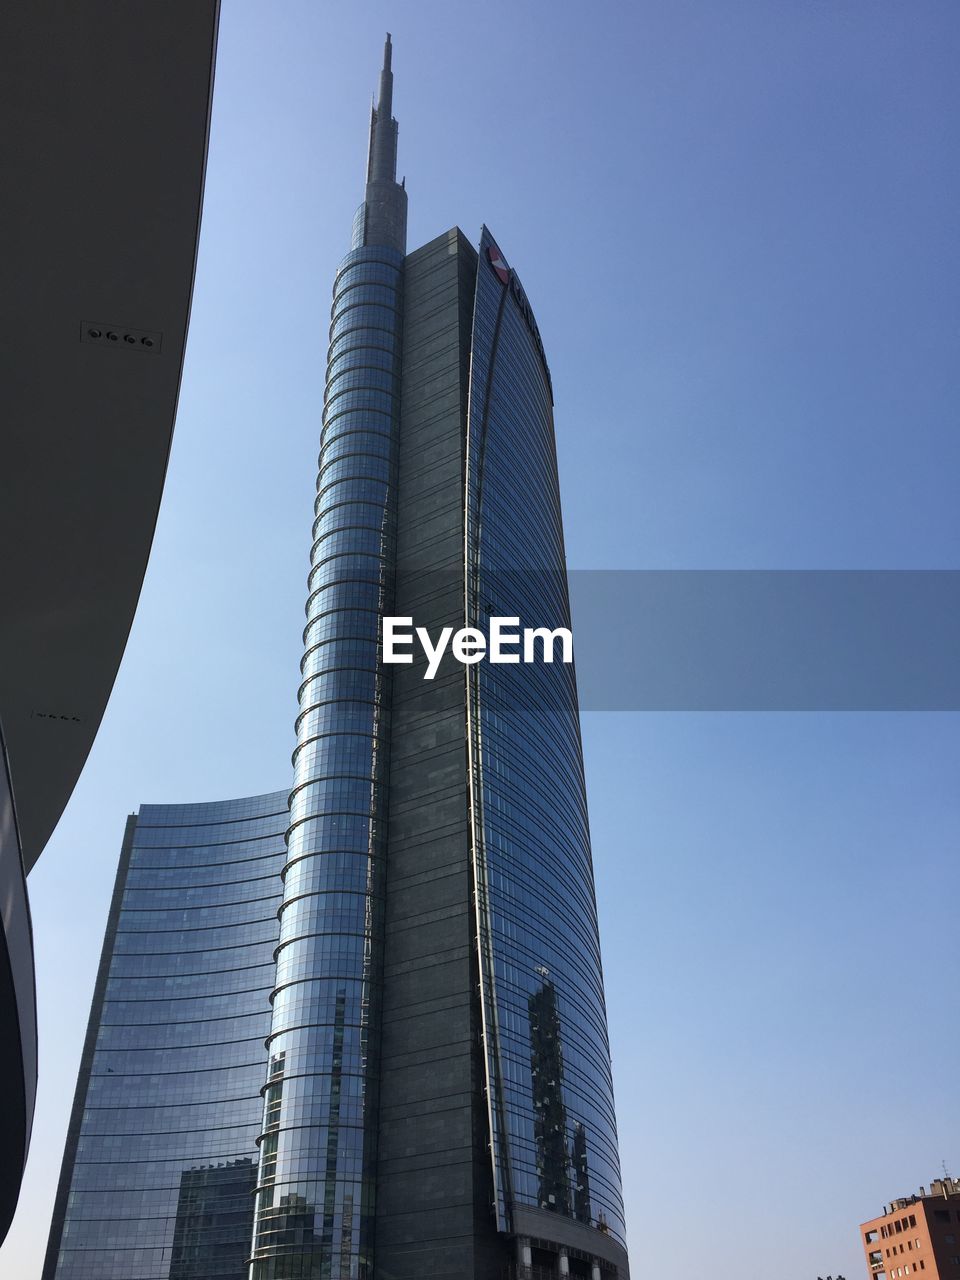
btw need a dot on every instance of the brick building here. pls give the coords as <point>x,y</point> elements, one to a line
<point>918,1234</point>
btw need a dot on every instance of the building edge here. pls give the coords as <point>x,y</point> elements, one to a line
<point>86,1056</point>
<point>18,1004</point>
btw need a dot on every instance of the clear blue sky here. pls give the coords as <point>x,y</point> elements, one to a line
<point>737,224</point>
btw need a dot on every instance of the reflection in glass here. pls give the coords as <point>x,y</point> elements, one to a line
<point>550,1117</point>
<point>160,1163</point>
<point>581,1174</point>
<point>211,1234</point>
<point>530,831</point>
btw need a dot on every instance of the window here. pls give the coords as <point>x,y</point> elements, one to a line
<point>272,1112</point>
<point>950,1239</point>
<point>870,1236</point>
<point>913,1219</point>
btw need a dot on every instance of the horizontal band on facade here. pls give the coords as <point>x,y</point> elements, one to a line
<point>354,321</point>
<point>338,411</point>
<point>388,483</point>
<point>353,701</point>
<point>369,983</point>
<point>366,854</point>
<point>353,377</point>
<point>133,933</point>
<point>364,894</point>
<point>345,637</point>
<point>360,453</point>
<point>378,583</point>
<point>143,850</point>
<point>374,255</point>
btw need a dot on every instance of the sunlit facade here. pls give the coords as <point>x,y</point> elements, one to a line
<point>433,1061</point>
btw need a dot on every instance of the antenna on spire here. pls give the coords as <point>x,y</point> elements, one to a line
<point>385,101</point>
<point>382,156</point>
<point>382,218</point>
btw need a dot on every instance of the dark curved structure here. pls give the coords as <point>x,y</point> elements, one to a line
<point>103,180</point>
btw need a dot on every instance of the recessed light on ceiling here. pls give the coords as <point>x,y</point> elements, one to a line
<point>122,336</point>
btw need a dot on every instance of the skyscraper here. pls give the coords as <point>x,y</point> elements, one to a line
<point>437,1096</point>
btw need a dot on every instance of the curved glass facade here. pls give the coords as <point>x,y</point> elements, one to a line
<point>315,1197</point>
<point>161,1155</point>
<point>318,1145</point>
<point>548,1059</point>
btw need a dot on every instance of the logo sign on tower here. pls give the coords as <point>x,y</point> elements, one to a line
<point>498,263</point>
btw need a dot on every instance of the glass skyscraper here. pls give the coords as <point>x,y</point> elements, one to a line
<point>160,1164</point>
<point>407,1071</point>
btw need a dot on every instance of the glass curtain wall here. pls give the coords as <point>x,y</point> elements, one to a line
<point>317,1149</point>
<point>548,1059</point>
<point>158,1176</point>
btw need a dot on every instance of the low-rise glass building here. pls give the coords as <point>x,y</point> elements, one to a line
<point>161,1156</point>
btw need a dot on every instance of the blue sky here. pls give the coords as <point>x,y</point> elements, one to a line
<point>736,224</point>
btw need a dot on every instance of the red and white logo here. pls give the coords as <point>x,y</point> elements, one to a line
<point>498,263</point>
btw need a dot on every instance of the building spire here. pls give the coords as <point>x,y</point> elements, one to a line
<point>382,156</point>
<point>385,105</point>
<point>382,218</point>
